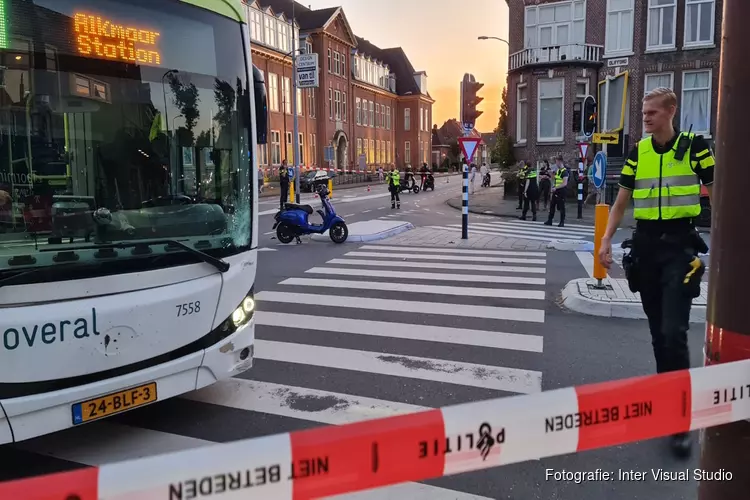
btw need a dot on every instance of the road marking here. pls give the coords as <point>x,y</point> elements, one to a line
<point>463,258</point>
<point>497,378</point>
<point>381,208</point>
<point>504,253</point>
<point>269,232</point>
<point>463,278</point>
<point>266,249</point>
<point>387,329</point>
<point>497,293</point>
<point>368,211</point>
<point>440,213</point>
<point>349,215</point>
<point>268,212</point>
<point>457,228</point>
<point>394,305</point>
<point>439,265</point>
<point>587,261</point>
<point>553,230</point>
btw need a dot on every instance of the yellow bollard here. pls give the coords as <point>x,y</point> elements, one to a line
<point>291,192</point>
<point>601,216</point>
<point>330,188</point>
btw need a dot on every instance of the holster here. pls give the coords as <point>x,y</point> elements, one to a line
<point>630,264</point>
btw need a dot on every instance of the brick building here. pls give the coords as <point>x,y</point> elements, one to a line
<point>560,51</point>
<point>372,107</point>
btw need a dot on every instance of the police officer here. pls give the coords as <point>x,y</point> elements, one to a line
<point>522,172</point>
<point>559,192</point>
<point>530,193</point>
<point>394,185</point>
<point>662,175</point>
<point>283,184</point>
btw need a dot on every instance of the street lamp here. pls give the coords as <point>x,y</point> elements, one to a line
<point>494,38</point>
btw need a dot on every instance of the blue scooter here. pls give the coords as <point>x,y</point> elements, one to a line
<point>292,222</point>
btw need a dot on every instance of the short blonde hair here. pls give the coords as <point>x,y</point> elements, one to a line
<point>665,95</point>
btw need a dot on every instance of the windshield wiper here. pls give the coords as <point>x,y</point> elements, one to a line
<point>219,264</point>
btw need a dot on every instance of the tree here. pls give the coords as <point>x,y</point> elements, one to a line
<point>502,151</point>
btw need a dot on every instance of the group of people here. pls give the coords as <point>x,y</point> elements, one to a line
<point>394,182</point>
<point>549,185</point>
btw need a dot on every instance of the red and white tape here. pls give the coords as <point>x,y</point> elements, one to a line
<point>329,461</point>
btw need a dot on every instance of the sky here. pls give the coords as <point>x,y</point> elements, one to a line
<point>440,37</point>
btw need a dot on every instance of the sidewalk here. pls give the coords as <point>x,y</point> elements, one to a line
<point>616,300</point>
<point>490,201</point>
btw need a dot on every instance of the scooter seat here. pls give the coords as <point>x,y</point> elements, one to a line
<point>294,206</point>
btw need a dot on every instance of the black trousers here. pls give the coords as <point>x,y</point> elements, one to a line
<point>283,194</point>
<point>666,301</point>
<point>520,193</point>
<point>557,202</point>
<point>530,200</point>
<point>394,196</point>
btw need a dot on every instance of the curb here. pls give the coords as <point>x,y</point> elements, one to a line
<point>571,245</point>
<point>574,301</point>
<point>364,238</point>
<point>458,206</point>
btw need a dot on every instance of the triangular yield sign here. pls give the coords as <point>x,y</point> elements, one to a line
<point>468,146</point>
<point>583,148</point>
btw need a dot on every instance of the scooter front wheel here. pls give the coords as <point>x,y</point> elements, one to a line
<point>284,233</point>
<point>415,189</point>
<point>338,232</point>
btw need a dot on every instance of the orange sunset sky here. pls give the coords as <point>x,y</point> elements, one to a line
<point>440,37</point>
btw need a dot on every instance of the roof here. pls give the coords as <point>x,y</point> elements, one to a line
<point>306,18</point>
<point>451,131</point>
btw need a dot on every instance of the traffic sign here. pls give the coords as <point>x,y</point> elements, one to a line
<point>583,148</point>
<point>600,169</point>
<point>307,70</point>
<point>602,138</point>
<point>468,146</point>
<point>290,172</point>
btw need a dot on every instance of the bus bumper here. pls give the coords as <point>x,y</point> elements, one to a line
<point>33,416</point>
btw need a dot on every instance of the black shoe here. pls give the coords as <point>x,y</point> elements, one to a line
<point>533,218</point>
<point>561,224</point>
<point>399,207</point>
<point>393,207</point>
<point>548,223</point>
<point>681,445</point>
<point>522,217</point>
<point>519,208</point>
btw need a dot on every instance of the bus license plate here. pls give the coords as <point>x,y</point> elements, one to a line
<point>114,403</point>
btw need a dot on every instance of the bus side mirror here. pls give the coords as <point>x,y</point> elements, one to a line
<point>261,107</point>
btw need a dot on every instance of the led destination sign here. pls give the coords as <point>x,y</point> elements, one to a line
<point>97,36</point>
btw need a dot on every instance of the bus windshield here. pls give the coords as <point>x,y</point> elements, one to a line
<point>121,121</point>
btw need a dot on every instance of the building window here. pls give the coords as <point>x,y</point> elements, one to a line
<point>662,16</point>
<point>377,115</point>
<point>559,24</point>
<point>407,118</point>
<point>337,104</point>
<point>426,119</point>
<point>377,151</point>
<point>550,108</point>
<point>311,103</point>
<point>343,64</point>
<point>262,154</point>
<point>407,153</point>
<point>308,47</point>
<point>282,36</point>
<point>421,148</point>
<point>372,114</point>
<point>330,62</point>
<point>619,37</point>
<point>286,94</point>
<point>388,117</point>
<point>275,147</point>
<point>336,63</point>
<point>330,103</point>
<point>343,106</point>
<point>301,146</point>
<point>696,102</point>
<point>582,89</point>
<point>270,39</point>
<point>522,113</point>
<point>699,22</point>
<point>388,151</point>
<point>313,149</point>
<point>358,102</point>
<point>372,151</point>
<point>256,29</point>
<point>300,104</point>
<point>364,112</point>
<point>359,147</point>
<point>289,151</point>
<point>365,150</point>
<point>273,91</point>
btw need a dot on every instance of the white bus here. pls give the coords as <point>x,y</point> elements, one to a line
<point>128,210</point>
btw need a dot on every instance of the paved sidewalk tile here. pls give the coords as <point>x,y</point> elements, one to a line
<point>427,236</point>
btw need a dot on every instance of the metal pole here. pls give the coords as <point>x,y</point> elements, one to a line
<point>580,188</point>
<point>728,327</point>
<point>295,139</point>
<point>465,204</point>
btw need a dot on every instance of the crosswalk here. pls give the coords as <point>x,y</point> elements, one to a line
<point>526,230</point>
<point>382,330</point>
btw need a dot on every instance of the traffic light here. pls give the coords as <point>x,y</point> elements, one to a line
<point>589,116</point>
<point>469,100</point>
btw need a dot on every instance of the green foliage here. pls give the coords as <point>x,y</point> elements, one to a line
<point>502,151</point>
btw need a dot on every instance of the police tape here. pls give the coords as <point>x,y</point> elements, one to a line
<point>328,461</point>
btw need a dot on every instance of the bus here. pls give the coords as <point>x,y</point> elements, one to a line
<point>128,248</point>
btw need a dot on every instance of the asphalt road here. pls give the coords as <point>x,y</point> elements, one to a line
<point>325,356</point>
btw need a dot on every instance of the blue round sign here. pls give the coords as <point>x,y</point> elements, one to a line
<point>599,172</point>
<point>291,172</point>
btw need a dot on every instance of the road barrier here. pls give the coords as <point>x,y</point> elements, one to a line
<point>328,461</point>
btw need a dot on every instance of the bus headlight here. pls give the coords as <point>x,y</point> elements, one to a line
<point>244,312</point>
